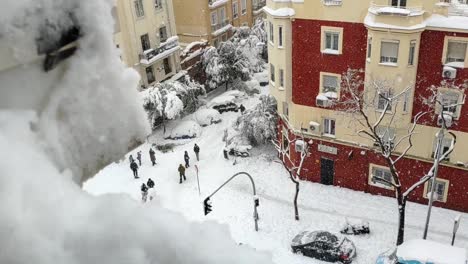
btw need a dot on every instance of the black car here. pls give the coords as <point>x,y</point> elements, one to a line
<point>325,246</point>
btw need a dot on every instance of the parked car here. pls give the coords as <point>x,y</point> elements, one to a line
<point>325,246</point>
<point>355,228</point>
<point>420,251</point>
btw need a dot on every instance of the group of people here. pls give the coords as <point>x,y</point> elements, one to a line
<point>146,189</point>
<point>181,168</point>
<point>134,165</point>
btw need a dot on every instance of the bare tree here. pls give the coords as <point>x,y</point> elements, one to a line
<point>294,170</point>
<point>374,109</point>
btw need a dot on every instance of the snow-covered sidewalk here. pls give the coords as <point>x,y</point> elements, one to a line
<point>321,207</point>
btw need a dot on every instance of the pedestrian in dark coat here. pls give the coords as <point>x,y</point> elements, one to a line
<point>150,183</point>
<point>131,159</point>
<point>242,108</point>
<point>187,159</point>
<point>139,157</point>
<point>144,192</point>
<point>182,173</point>
<point>152,156</point>
<point>134,167</point>
<point>196,149</point>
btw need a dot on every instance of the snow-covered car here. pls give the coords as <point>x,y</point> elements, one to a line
<point>206,117</point>
<point>420,251</point>
<point>226,102</point>
<point>325,246</point>
<point>358,228</point>
<point>184,130</point>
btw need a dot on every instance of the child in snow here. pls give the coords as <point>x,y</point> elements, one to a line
<point>181,173</point>
<point>151,189</point>
<point>187,159</point>
<point>139,157</point>
<point>152,156</point>
<point>196,149</point>
<point>144,192</point>
<point>134,167</point>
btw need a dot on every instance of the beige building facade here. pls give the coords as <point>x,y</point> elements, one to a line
<point>213,20</point>
<point>145,33</point>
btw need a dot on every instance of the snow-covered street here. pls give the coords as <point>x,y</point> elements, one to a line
<point>321,207</point>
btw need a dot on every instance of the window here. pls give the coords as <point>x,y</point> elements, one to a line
<point>329,83</point>
<point>167,66</point>
<point>145,42</point>
<point>162,34</point>
<point>329,127</point>
<point>382,101</point>
<point>272,36</point>
<point>398,3</point>
<point>150,75</point>
<point>272,72</point>
<point>387,135</point>
<point>389,52</point>
<point>332,40</point>
<point>369,48</point>
<point>412,50</point>
<point>449,103</point>
<point>280,36</point>
<point>139,8</point>
<point>235,12</point>
<point>285,144</point>
<point>380,177</point>
<point>446,144</point>
<point>222,16</point>
<point>243,7</point>
<point>158,4</point>
<point>214,18</point>
<point>281,76</point>
<point>456,51</point>
<point>440,191</point>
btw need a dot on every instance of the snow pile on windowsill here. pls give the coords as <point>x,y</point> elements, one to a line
<point>427,251</point>
<point>280,12</point>
<point>217,3</point>
<point>393,10</point>
<point>226,98</point>
<point>455,64</point>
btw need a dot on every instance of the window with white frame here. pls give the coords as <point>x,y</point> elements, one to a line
<point>387,135</point>
<point>382,101</point>
<point>456,51</point>
<point>330,83</point>
<point>412,52</point>
<point>280,36</point>
<point>222,16</point>
<point>450,103</point>
<point>272,33</point>
<point>139,8</point>
<point>328,127</point>
<point>332,40</point>
<point>243,7</point>
<point>281,76</point>
<point>380,177</point>
<point>389,52</point>
<point>214,18</point>
<point>398,3</point>
<point>235,11</point>
<point>446,144</point>
<point>369,47</point>
<point>272,72</point>
<point>162,34</point>
<point>158,4</point>
<point>150,75</point>
<point>440,191</point>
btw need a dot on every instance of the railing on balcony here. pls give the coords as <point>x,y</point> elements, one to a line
<point>150,54</point>
<point>332,2</point>
<point>222,24</point>
<point>395,10</point>
<point>258,5</point>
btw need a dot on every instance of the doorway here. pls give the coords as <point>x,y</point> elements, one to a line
<point>327,171</point>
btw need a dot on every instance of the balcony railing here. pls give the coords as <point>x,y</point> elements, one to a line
<point>222,24</point>
<point>332,2</point>
<point>259,5</point>
<point>395,10</point>
<point>151,54</point>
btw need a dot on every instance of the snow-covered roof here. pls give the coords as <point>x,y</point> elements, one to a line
<point>450,22</point>
<point>427,251</point>
<point>369,21</point>
<point>280,12</point>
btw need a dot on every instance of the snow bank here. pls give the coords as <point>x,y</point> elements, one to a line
<point>226,98</point>
<point>185,129</point>
<point>71,122</point>
<point>427,251</point>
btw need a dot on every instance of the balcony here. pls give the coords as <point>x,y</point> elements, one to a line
<point>332,2</point>
<point>395,10</point>
<point>220,25</point>
<point>164,50</point>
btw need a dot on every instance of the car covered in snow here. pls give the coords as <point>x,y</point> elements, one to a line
<point>226,102</point>
<point>206,117</point>
<point>325,246</point>
<point>184,130</point>
<point>420,251</point>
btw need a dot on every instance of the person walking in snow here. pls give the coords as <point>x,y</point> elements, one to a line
<point>139,157</point>
<point>134,167</point>
<point>152,156</point>
<point>196,149</point>
<point>187,159</point>
<point>182,173</point>
<point>151,189</point>
<point>242,108</point>
<point>150,183</point>
<point>144,192</point>
<point>131,159</point>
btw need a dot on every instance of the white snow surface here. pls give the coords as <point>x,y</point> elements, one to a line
<point>393,10</point>
<point>187,128</point>
<point>452,22</point>
<point>207,116</point>
<point>427,251</point>
<point>70,122</point>
<point>225,98</point>
<point>280,12</point>
<point>320,207</point>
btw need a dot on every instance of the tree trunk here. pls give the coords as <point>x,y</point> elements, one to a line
<point>401,219</point>
<point>296,210</point>
<point>227,82</point>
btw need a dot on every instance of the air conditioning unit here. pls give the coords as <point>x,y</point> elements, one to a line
<point>322,101</point>
<point>448,119</point>
<point>314,127</point>
<point>449,72</point>
<point>299,146</point>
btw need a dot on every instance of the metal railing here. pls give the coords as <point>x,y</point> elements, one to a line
<point>332,2</point>
<point>412,9</point>
<point>151,53</point>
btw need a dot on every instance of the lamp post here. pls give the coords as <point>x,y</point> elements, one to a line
<point>207,206</point>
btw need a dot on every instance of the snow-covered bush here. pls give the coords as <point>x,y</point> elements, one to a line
<point>251,43</point>
<point>259,124</point>
<point>206,117</point>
